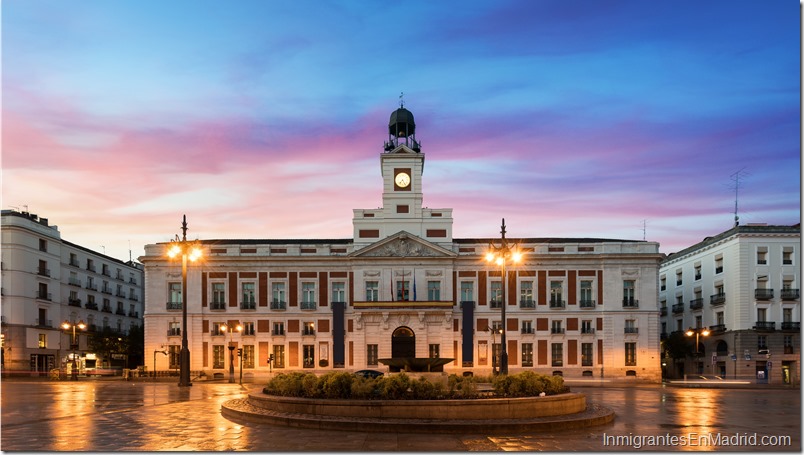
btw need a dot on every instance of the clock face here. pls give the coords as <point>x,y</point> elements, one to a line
<point>402,180</point>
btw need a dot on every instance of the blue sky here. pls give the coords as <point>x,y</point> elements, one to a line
<point>265,119</point>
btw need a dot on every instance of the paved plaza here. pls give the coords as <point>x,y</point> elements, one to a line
<point>112,415</point>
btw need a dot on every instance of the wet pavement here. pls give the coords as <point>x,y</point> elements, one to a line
<point>140,416</point>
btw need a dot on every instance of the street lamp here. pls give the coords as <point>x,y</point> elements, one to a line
<point>501,256</point>
<point>698,333</point>
<point>67,325</point>
<point>493,351</point>
<point>192,252</point>
<point>238,328</point>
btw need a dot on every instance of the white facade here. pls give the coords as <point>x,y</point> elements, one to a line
<point>47,280</point>
<point>403,287</point>
<point>743,285</point>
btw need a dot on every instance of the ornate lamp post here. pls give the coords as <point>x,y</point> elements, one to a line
<point>238,328</point>
<point>698,333</point>
<point>494,359</point>
<point>191,252</point>
<point>67,325</point>
<point>501,255</point>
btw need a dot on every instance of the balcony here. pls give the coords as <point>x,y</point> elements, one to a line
<point>44,323</point>
<point>495,304</point>
<point>173,306</point>
<point>557,304</point>
<point>308,331</point>
<point>248,305</point>
<point>74,302</point>
<point>528,330</point>
<point>630,302</point>
<point>132,281</point>
<point>106,309</point>
<point>631,330</point>
<point>133,314</point>
<point>74,263</point>
<point>42,295</point>
<point>91,306</point>
<point>663,311</point>
<point>119,276</point>
<point>105,272</point>
<point>791,326</point>
<point>587,304</point>
<point>278,332</point>
<point>278,305</point>
<point>92,286</point>
<point>678,308</point>
<point>75,282</point>
<point>41,271</point>
<point>696,304</point>
<point>120,294</point>
<point>763,294</point>
<point>133,297</point>
<point>717,299</point>
<point>91,268</point>
<point>790,294</point>
<point>217,305</point>
<point>174,332</point>
<point>557,330</point>
<point>120,312</point>
<point>529,303</point>
<point>106,290</point>
<point>307,306</point>
<point>765,326</point>
<point>587,330</point>
<point>717,328</point>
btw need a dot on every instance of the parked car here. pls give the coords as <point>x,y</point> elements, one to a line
<point>371,374</point>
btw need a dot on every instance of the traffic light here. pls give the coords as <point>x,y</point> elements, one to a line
<point>270,358</point>
<point>240,352</point>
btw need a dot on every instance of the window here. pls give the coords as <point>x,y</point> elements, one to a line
<point>630,354</point>
<point>308,296</point>
<point>434,351</point>
<point>527,354</point>
<point>679,277</point>
<point>762,342</point>
<point>216,328</point>
<point>174,296</point>
<point>586,293</point>
<point>679,325</point>
<point>42,340</point>
<point>697,272</point>
<point>586,354</point>
<point>43,245</point>
<point>719,317</point>
<point>218,357</point>
<point>557,350</point>
<point>556,327</point>
<point>372,291</point>
<point>526,292</point>
<point>718,264</point>
<point>74,259</point>
<point>309,356</point>
<point>787,255</point>
<point>218,296</point>
<point>174,356</point>
<point>788,344</point>
<point>43,270</point>
<point>279,328</point>
<point>278,296</point>
<point>496,294</point>
<point>467,291</point>
<point>248,292</point>
<point>43,294</point>
<point>402,290</point>
<point>372,354</point>
<point>628,293</point>
<point>248,356</point>
<point>630,326</point>
<point>762,255</point>
<point>556,293</point>
<point>279,356</point>
<point>762,314</point>
<point>586,326</point>
<point>433,291</point>
<point>527,327</point>
<point>663,283</point>
<point>248,328</point>
<point>338,291</point>
<point>496,326</point>
<point>308,328</point>
<point>174,329</point>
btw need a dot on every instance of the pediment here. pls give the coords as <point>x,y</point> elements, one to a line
<point>403,244</point>
<point>403,149</point>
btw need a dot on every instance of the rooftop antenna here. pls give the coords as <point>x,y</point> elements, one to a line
<point>104,249</point>
<point>644,229</point>
<point>401,101</point>
<point>736,179</point>
<point>129,251</point>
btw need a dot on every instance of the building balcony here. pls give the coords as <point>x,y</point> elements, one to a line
<point>791,326</point>
<point>557,304</point>
<point>105,272</point>
<point>663,311</point>
<point>587,304</point>
<point>44,323</point>
<point>120,312</point>
<point>119,276</point>
<point>630,302</point>
<point>278,305</point>
<point>717,299</point>
<point>174,332</point>
<point>173,306</point>
<point>91,306</point>
<point>307,306</point>
<point>106,290</point>
<point>41,271</point>
<point>74,302</point>
<point>528,303</point>
<point>696,304</point>
<point>558,363</point>
<point>790,294</point>
<point>717,328</point>
<point>133,314</point>
<point>587,330</point>
<point>403,304</point>
<point>132,281</point>
<point>763,294</point>
<point>678,308</point>
<point>789,350</point>
<point>632,330</point>
<point>248,305</point>
<point>220,306</point>
<point>74,263</point>
<point>120,294</point>
<point>528,330</point>
<point>557,330</point>
<point>495,304</point>
<point>765,326</point>
<point>106,309</point>
<point>278,333</point>
<point>308,332</point>
<point>133,297</point>
<point>75,282</point>
<point>41,295</point>
<point>91,268</point>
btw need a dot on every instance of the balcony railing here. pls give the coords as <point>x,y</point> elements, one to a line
<point>120,311</point>
<point>75,282</point>
<point>106,309</point>
<point>174,332</point>
<point>790,294</point>
<point>91,306</point>
<point>173,306</point>
<point>43,271</point>
<point>217,305</point>
<point>717,299</point>
<point>91,268</point>
<point>631,330</point>
<point>278,305</point>
<point>529,303</point>
<point>307,306</point>
<point>630,302</point>
<point>249,305</point>
<point>106,290</point>
<point>278,332</point>
<point>791,326</point>
<point>557,304</point>
<point>308,332</point>
<point>587,330</point>
<point>678,308</point>
<point>495,304</point>
<point>763,294</point>
<point>133,297</point>
<point>44,322</point>
<point>765,326</point>
<point>717,328</point>
<point>41,295</point>
<point>587,304</point>
<point>528,330</point>
<point>133,314</point>
<point>74,302</point>
<point>557,330</point>
<point>663,311</point>
<point>696,304</point>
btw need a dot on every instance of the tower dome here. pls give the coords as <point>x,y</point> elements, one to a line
<point>401,126</point>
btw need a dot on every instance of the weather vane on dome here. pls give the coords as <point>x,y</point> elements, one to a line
<point>401,101</point>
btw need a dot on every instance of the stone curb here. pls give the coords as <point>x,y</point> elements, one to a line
<point>241,409</point>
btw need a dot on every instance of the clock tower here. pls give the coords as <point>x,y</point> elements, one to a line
<point>402,166</point>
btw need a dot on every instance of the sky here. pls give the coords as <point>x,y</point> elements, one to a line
<point>621,119</point>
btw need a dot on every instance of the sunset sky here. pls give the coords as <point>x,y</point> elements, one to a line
<point>266,119</point>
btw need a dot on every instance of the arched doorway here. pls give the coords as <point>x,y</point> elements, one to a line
<point>403,343</point>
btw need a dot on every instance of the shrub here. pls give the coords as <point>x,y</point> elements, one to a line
<point>337,384</point>
<point>365,388</point>
<point>528,384</point>
<point>395,387</point>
